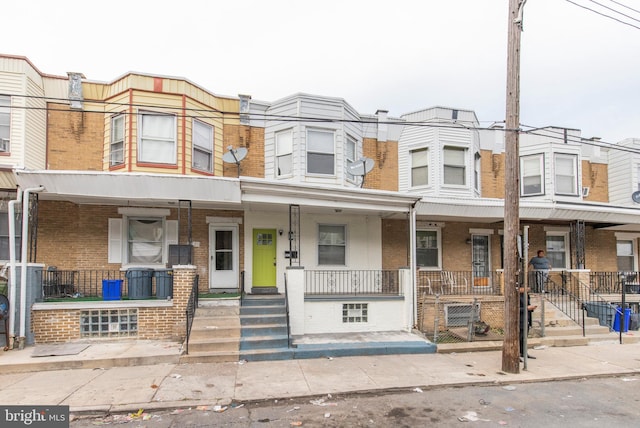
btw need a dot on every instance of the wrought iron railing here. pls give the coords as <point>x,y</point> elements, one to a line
<point>611,282</point>
<point>353,282</point>
<point>192,305</point>
<point>444,282</point>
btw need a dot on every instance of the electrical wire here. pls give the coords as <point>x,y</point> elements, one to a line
<point>603,14</point>
<point>614,10</point>
<point>624,5</point>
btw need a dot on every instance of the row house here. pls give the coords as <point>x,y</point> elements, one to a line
<point>353,216</point>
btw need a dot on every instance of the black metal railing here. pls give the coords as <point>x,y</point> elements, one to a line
<point>192,305</point>
<point>565,295</point>
<point>611,282</point>
<point>458,283</point>
<point>353,282</point>
<point>241,288</point>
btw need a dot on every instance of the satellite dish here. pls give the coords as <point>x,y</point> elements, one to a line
<point>636,197</point>
<point>235,156</point>
<point>360,167</point>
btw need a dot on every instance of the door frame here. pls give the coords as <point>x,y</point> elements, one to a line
<point>234,284</point>
<point>487,234</point>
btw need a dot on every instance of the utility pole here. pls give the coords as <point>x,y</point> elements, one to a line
<point>510,345</point>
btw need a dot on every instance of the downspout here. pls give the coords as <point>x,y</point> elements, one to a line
<point>412,261</point>
<point>12,260</point>
<point>23,259</point>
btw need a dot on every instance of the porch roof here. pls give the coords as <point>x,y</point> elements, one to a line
<point>488,210</point>
<point>96,187</point>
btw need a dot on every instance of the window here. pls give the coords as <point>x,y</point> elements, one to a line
<point>566,167</point>
<point>476,171</point>
<point>626,258</point>
<point>320,155</point>
<point>332,245</point>
<point>116,147</point>
<point>427,248</point>
<point>419,167</point>
<point>284,153</point>
<point>157,141</point>
<point>202,146</point>
<point>349,156</point>
<point>145,240</point>
<point>355,312</point>
<point>638,176</point>
<point>5,123</point>
<point>454,165</point>
<point>557,247</point>
<point>531,172</point>
<point>224,250</point>
<point>4,235</point>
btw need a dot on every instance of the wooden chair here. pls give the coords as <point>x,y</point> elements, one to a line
<point>454,282</point>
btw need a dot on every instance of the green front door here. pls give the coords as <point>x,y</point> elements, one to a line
<point>264,257</point>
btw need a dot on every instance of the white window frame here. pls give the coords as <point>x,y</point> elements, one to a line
<point>438,233</point>
<point>633,256</point>
<point>284,150</point>
<point>147,155</point>
<point>333,243</point>
<point>454,166</point>
<point>203,146</point>
<point>524,173</point>
<point>638,176</point>
<point>551,251</point>
<point>313,151</point>
<point>116,145</point>
<point>416,167</point>
<point>561,174</point>
<point>350,156</point>
<point>5,112</point>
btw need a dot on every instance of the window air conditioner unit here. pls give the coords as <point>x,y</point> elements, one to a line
<point>585,192</point>
<point>4,144</point>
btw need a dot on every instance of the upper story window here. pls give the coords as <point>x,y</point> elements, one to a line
<point>428,248</point>
<point>116,146</point>
<point>566,169</point>
<point>419,167</point>
<point>202,146</point>
<point>284,153</point>
<point>349,155</point>
<point>320,152</point>
<point>332,244</point>
<point>454,165</point>
<point>531,169</point>
<point>5,123</point>
<point>476,171</point>
<point>157,141</point>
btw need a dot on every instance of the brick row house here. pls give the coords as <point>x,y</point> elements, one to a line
<point>356,217</point>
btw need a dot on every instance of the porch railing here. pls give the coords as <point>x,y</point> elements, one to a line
<point>192,305</point>
<point>611,282</point>
<point>353,282</point>
<point>458,283</point>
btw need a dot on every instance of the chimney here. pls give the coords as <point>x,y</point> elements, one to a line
<point>245,103</point>
<point>383,127</point>
<point>75,90</point>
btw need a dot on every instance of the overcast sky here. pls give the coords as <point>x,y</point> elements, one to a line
<point>578,69</point>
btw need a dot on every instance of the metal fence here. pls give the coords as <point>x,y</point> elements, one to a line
<point>353,282</point>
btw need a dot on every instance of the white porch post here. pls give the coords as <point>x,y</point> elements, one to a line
<point>295,297</point>
<point>406,282</point>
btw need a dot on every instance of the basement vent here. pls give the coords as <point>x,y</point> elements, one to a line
<point>461,314</point>
<point>355,312</point>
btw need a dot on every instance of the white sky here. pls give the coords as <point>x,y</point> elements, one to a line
<point>579,70</point>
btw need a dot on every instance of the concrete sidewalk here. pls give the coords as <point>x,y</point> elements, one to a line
<point>156,381</point>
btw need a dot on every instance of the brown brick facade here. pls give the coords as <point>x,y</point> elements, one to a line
<point>595,176</point>
<point>384,175</point>
<point>250,138</point>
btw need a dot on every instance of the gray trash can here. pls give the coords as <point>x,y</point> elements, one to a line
<point>605,312</point>
<point>139,283</point>
<point>164,283</point>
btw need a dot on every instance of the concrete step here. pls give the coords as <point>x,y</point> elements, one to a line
<point>263,300</point>
<point>210,357</point>
<point>215,333</point>
<point>574,330</point>
<point>591,339</point>
<point>217,322</point>
<point>263,309</point>
<point>217,311</point>
<point>272,354</point>
<point>214,345</point>
<point>264,342</point>
<point>248,320</point>
<point>264,330</point>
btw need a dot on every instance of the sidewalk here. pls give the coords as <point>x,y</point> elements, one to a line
<point>93,382</point>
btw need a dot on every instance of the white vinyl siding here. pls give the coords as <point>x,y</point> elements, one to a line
<point>349,156</point>
<point>116,147</point>
<point>566,170</point>
<point>454,165</point>
<point>284,153</point>
<point>532,177</point>
<point>202,146</point>
<point>320,152</point>
<point>157,142</point>
<point>419,167</point>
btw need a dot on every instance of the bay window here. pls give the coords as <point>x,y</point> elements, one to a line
<point>116,146</point>
<point>157,138</point>
<point>454,165</point>
<point>320,152</point>
<point>531,171</point>
<point>284,153</point>
<point>419,167</point>
<point>566,171</point>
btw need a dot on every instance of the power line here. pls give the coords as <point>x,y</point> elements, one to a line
<point>614,10</point>
<point>603,14</point>
<point>624,5</point>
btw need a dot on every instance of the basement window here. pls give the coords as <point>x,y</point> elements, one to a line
<point>355,312</point>
<point>461,314</point>
<point>109,323</point>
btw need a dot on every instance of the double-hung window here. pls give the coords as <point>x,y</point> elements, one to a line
<point>566,169</point>
<point>202,146</point>
<point>557,249</point>
<point>626,256</point>
<point>157,141</point>
<point>332,244</point>
<point>320,152</point>
<point>116,146</point>
<point>419,167</point>
<point>349,156</point>
<point>284,153</point>
<point>531,170</point>
<point>145,240</point>
<point>454,165</point>
<point>427,248</point>
<point>5,123</point>
<point>4,235</point>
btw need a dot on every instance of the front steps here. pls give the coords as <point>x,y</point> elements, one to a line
<point>264,336</point>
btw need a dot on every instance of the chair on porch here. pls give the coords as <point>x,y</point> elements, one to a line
<point>454,282</point>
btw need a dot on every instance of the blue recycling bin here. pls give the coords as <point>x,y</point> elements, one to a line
<point>139,283</point>
<point>627,319</point>
<point>111,289</point>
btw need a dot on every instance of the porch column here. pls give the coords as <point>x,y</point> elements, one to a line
<point>183,277</point>
<point>405,275</point>
<point>295,296</point>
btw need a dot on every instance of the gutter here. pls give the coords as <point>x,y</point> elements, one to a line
<point>12,260</point>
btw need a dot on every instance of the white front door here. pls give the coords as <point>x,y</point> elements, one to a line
<point>224,258</point>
